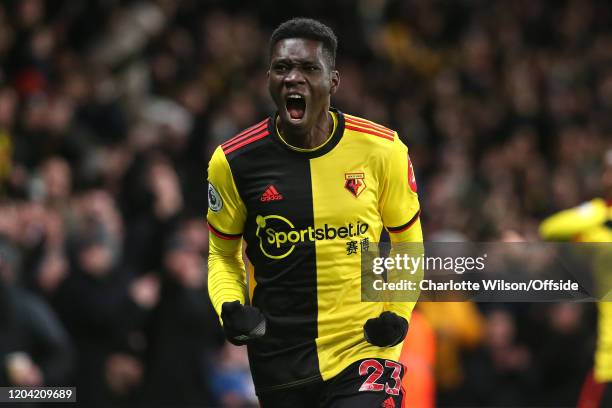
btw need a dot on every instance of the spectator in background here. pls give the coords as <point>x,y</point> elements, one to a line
<point>105,307</point>
<point>35,350</point>
<point>152,196</point>
<point>459,328</point>
<point>557,328</point>
<point>499,374</point>
<point>231,379</point>
<point>185,324</point>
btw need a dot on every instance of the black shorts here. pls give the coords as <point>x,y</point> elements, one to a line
<point>368,383</point>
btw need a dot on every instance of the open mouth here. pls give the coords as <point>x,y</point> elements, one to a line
<point>296,106</point>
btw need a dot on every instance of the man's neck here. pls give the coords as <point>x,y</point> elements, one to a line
<point>312,138</point>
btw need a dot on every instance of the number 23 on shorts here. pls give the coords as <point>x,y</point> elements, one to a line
<point>374,369</point>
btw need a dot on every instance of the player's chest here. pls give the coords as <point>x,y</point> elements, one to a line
<point>312,191</point>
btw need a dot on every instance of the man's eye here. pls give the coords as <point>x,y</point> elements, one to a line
<point>312,68</point>
<point>281,68</point>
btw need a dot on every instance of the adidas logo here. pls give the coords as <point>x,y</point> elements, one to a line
<point>271,194</point>
<point>388,403</point>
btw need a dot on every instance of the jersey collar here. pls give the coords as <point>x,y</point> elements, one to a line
<point>325,148</point>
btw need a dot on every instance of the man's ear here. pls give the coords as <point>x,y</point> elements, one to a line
<point>335,82</point>
<point>268,74</point>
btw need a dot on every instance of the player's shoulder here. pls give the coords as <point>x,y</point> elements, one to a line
<point>374,137</point>
<point>369,131</point>
<point>246,139</point>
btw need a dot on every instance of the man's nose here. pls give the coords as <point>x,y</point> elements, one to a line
<point>294,76</point>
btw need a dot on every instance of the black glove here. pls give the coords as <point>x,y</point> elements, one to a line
<point>386,330</point>
<point>242,323</point>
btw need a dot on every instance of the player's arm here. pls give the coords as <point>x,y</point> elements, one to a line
<point>400,210</point>
<point>567,224</point>
<point>226,273</point>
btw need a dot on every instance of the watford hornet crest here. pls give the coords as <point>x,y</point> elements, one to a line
<point>355,183</point>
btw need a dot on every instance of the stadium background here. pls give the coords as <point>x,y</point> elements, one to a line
<point>109,111</point>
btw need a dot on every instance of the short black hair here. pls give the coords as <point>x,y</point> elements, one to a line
<point>308,28</point>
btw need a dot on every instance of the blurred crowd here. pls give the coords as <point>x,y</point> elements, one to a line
<point>110,110</point>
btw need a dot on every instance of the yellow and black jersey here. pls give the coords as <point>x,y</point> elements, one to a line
<point>589,222</point>
<point>306,215</point>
